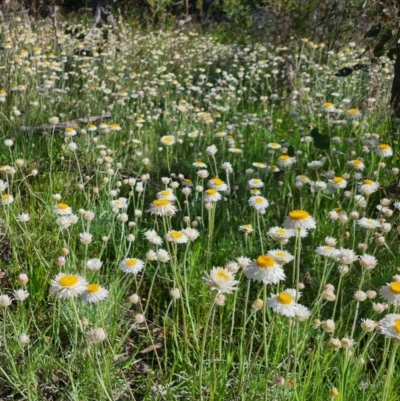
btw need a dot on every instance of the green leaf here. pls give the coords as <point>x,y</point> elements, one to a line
<point>320,141</point>
<point>374,31</point>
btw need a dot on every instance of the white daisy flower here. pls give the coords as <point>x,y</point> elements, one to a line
<point>163,256</point>
<point>274,146</point>
<point>94,293</point>
<point>264,269</point>
<point>259,165</point>
<point>68,285</point>
<point>246,228</point>
<point>328,107</point>
<point>300,219</point>
<point>284,303</point>
<point>391,293</point>
<point>346,256</point>
<point>69,132</point>
<point>243,262</point>
<point>3,185</point>
<point>221,280</point>
<point>338,183</point>
<point>131,265</point>
<point>6,199</point>
<point>302,313</point>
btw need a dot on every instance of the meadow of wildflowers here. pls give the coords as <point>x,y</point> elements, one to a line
<point>226,228</point>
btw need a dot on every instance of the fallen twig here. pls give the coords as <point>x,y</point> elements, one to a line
<point>63,126</point>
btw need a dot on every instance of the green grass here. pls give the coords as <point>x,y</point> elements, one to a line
<point>199,344</point>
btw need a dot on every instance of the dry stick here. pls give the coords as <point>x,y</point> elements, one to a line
<point>63,126</point>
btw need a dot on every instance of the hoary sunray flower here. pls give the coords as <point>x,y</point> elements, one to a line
<point>6,199</point>
<point>264,269</point>
<point>384,150</point>
<point>258,202</point>
<point>370,224</point>
<point>327,251</point>
<point>217,184</point>
<point>284,303</point>
<point>62,209</point>
<point>65,286</point>
<point>94,264</point>
<point>329,107</point>
<point>274,146</point>
<point>356,164</point>
<point>246,228</point>
<point>199,164</point>
<point>177,237</point>
<point>338,183</point>
<point>302,313</point>
<point>390,326</point>
<point>212,195</point>
<point>94,293</point>
<point>168,140</point>
<point>3,185</point>
<point>259,165</point>
<point>368,262</point>
<point>300,219</point>
<point>153,237</point>
<point>353,114</point>
<point>255,183</point>
<point>346,256</point>
<point>280,234</point>
<point>69,132</point>
<point>132,265</point>
<point>368,187</point>
<point>303,179</point>
<point>221,279</point>
<point>162,207</point>
<point>391,293</point>
<point>280,256</point>
<point>191,233</point>
<point>286,161</point>
<point>166,194</point>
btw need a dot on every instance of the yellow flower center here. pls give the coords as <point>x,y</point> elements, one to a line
<point>117,203</point>
<point>328,248</point>
<point>165,193</point>
<point>131,262</point>
<point>352,112</point>
<point>258,200</point>
<point>368,182</point>
<point>284,158</point>
<point>328,105</point>
<point>397,325</point>
<point>265,262</point>
<point>176,234</point>
<point>168,139</point>
<point>338,180</point>
<point>68,281</point>
<point>284,298</point>
<point>69,129</point>
<point>62,206</point>
<point>357,162</point>
<point>303,177</point>
<point>93,288</point>
<point>274,145</point>
<point>217,181</point>
<point>222,275</point>
<point>247,226</point>
<point>299,215</point>
<point>395,287</point>
<point>161,202</point>
<point>5,197</point>
<point>281,254</point>
<point>281,231</point>
<point>383,146</point>
<point>211,191</point>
